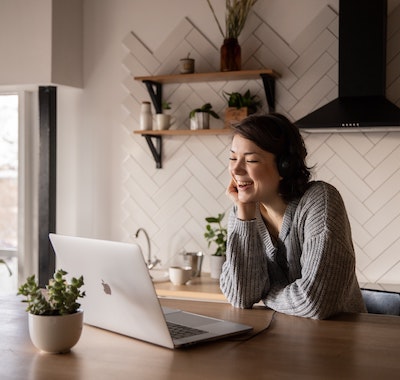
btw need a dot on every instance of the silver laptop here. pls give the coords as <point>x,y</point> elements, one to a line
<point>120,295</point>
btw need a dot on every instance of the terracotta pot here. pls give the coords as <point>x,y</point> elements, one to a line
<point>234,115</point>
<point>55,333</point>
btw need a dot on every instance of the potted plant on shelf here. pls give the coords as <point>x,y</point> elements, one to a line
<point>55,320</point>
<point>166,106</point>
<point>239,106</point>
<point>216,233</point>
<point>200,117</point>
<point>164,120</point>
<point>236,12</point>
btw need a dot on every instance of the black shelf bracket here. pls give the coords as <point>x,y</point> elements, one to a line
<point>156,150</point>
<point>269,88</point>
<point>155,91</point>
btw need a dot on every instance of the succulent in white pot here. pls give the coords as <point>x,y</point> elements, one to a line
<point>55,317</point>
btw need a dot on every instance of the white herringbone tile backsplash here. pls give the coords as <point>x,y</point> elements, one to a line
<point>172,203</point>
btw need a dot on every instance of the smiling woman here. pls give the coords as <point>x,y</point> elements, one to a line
<point>289,239</point>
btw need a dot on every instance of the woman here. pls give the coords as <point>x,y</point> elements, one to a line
<point>289,239</point>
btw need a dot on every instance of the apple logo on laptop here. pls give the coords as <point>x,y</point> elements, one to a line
<point>106,287</point>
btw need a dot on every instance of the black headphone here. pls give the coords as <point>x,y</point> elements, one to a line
<point>283,161</point>
<point>284,166</point>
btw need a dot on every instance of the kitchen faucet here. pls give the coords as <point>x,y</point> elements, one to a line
<point>150,263</point>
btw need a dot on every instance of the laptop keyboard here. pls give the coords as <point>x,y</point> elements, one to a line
<point>180,331</point>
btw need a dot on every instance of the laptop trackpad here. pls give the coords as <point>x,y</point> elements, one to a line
<point>189,319</point>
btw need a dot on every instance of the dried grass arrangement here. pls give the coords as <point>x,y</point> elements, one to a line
<point>235,16</point>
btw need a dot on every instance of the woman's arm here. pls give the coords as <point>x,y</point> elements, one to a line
<point>327,281</point>
<point>244,278</point>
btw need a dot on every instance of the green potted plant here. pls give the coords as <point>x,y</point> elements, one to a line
<point>200,117</point>
<point>55,320</point>
<point>240,106</point>
<point>164,120</point>
<point>216,234</point>
<point>166,106</point>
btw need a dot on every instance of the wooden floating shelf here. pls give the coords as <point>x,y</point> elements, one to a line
<point>184,132</point>
<point>154,85</point>
<point>210,77</point>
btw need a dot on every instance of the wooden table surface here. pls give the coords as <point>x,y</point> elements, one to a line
<point>359,346</point>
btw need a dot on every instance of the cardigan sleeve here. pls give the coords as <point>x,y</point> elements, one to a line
<point>327,283</point>
<point>244,278</point>
<point>326,277</point>
<point>320,280</point>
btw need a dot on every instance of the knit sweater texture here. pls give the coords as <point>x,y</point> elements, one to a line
<point>309,272</point>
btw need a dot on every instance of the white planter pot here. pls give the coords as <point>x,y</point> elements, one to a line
<point>55,333</point>
<point>201,120</point>
<point>216,263</point>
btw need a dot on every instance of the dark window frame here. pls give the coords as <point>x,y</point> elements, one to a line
<point>47,180</point>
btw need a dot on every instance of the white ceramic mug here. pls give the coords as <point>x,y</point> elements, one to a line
<point>180,275</point>
<point>164,121</point>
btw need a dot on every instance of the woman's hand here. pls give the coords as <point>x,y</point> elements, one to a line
<point>232,191</point>
<point>245,211</point>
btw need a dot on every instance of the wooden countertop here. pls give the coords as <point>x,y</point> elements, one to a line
<point>205,288</point>
<point>202,288</point>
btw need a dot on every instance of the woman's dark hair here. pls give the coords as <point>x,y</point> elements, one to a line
<point>274,133</point>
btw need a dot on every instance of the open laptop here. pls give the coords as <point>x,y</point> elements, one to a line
<point>120,294</point>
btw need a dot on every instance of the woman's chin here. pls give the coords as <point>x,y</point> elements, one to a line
<point>243,198</point>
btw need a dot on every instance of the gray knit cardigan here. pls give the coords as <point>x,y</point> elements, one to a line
<point>311,270</point>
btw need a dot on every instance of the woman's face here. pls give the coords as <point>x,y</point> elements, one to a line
<point>254,171</point>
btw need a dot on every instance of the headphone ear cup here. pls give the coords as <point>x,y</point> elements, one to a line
<point>284,167</point>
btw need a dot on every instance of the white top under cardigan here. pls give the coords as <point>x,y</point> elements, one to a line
<point>311,270</point>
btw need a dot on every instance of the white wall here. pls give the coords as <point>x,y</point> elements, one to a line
<point>26,41</point>
<point>116,186</point>
<point>67,43</point>
<point>107,183</point>
<point>41,42</point>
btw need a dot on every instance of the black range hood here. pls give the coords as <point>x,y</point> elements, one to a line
<point>362,104</point>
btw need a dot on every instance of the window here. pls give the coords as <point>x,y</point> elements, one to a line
<point>9,127</point>
<point>19,168</point>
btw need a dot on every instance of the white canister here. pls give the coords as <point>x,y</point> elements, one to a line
<point>146,117</point>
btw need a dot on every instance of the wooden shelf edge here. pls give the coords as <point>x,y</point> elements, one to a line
<point>185,132</point>
<point>210,76</point>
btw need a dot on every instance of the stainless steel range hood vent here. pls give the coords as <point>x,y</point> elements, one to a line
<point>362,104</point>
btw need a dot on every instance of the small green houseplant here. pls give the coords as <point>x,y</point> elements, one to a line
<point>166,105</point>
<point>205,108</point>
<point>55,320</point>
<point>216,233</point>
<point>240,106</point>
<point>60,298</point>
<point>200,117</point>
<point>238,100</point>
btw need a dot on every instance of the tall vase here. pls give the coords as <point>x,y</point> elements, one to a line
<point>231,55</point>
